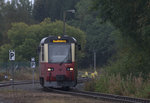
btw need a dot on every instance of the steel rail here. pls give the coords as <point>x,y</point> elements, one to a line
<point>102,96</point>
<point>5,84</point>
<point>9,83</point>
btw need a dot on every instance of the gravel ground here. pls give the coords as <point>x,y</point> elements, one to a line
<point>34,94</point>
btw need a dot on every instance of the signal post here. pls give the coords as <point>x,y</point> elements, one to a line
<point>12,58</point>
<point>33,65</point>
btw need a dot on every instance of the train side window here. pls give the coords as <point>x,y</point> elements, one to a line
<point>42,53</point>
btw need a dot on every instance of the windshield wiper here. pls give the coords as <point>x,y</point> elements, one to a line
<point>65,57</point>
<point>63,60</point>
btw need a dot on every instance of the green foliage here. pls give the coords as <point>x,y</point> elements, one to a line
<point>90,86</point>
<point>102,84</point>
<point>98,35</point>
<point>1,38</point>
<point>27,49</point>
<point>18,11</point>
<point>14,11</point>
<point>17,33</point>
<point>25,39</point>
<point>129,59</point>
<point>4,52</point>
<point>131,18</point>
<point>130,63</point>
<point>53,9</point>
<point>115,84</point>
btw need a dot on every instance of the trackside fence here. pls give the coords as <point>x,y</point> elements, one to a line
<point>21,70</point>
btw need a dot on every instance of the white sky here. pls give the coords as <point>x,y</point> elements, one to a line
<point>29,0</point>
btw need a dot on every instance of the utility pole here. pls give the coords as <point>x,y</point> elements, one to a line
<point>64,23</point>
<point>94,61</point>
<point>64,20</point>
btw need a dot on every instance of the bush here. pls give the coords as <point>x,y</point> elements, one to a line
<point>115,84</point>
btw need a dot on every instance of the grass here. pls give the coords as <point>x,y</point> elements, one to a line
<point>26,74</point>
<point>2,76</point>
<point>22,74</point>
<point>115,84</point>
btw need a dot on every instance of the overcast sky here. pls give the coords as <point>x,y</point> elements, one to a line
<point>29,0</point>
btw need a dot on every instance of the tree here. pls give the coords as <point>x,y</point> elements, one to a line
<point>4,50</point>
<point>14,11</point>
<point>98,35</point>
<point>25,39</point>
<point>52,8</point>
<point>131,18</point>
<point>18,11</point>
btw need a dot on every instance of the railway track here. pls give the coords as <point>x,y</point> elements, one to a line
<point>102,96</point>
<point>9,83</point>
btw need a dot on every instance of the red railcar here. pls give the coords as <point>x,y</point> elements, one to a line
<point>57,62</point>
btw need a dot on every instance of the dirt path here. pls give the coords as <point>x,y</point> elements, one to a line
<point>30,94</point>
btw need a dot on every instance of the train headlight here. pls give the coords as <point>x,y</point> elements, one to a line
<point>69,69</point>
<point>50,69</point>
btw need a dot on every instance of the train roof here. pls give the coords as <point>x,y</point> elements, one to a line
<point>50,38</point>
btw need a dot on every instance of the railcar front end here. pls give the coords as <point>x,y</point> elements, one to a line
<point>57,62</point>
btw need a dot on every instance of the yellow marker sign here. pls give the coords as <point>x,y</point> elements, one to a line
<point>86,73</point>
<point>95,73</point>
<point>92,75</point>
<point>59,41</point>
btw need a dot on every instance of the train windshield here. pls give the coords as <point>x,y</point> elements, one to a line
<point>59,53</point>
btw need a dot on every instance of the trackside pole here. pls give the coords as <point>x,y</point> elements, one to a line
<point>33,68</point>
<point>33,78</point>
<point>12,58</point>
<point>13,75</point>
<point>94,61</point>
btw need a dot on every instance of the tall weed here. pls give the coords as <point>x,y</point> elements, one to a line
<point>115,84</point>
